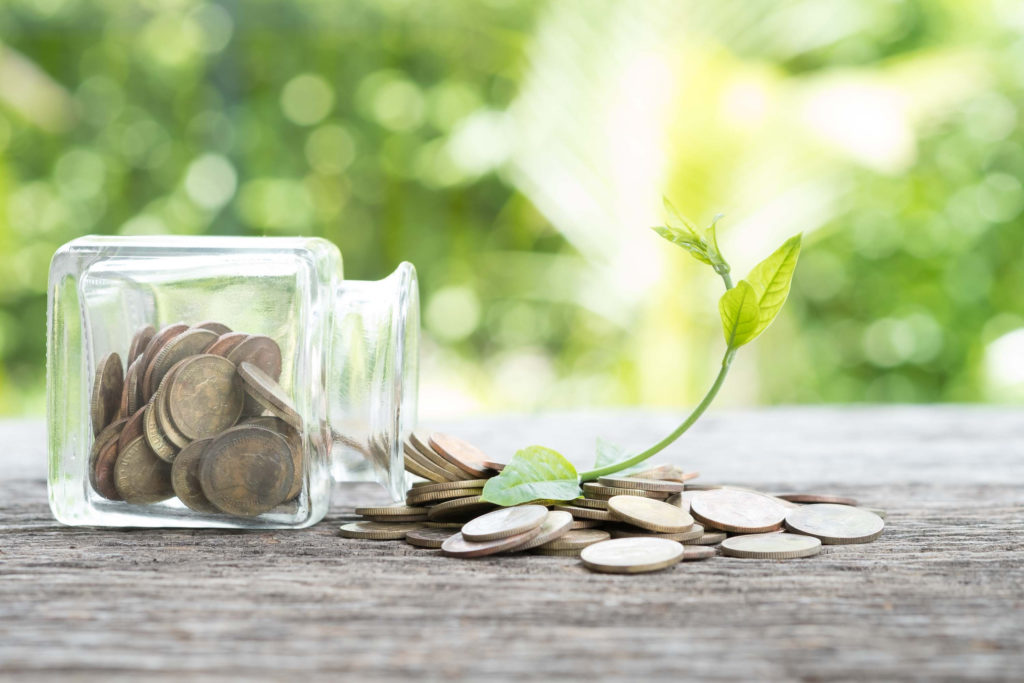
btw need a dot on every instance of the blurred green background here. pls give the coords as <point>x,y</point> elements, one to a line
<point>517,152</point>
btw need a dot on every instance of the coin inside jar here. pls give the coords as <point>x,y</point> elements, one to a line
<point>139,343</point>
<point>264,353</point>
<point>294,440</point>
<point>188,343</point>
<point>268,393</point>
<point>205,396</point>
<point>247,471</point>
<point>185,477</point>
<point>140,476</point>
<point>156,344</point>
<point>106,392</point>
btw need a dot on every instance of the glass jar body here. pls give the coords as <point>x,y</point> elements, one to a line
<point>345,359</point>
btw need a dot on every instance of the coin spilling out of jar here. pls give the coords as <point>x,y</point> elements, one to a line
<point>198,414</point>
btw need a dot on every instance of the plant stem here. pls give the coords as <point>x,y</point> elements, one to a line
<point>591,475</point>
<point>730,353</point>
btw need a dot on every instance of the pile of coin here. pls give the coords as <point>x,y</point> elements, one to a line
<point>199,415</point>
<point>638,522</point>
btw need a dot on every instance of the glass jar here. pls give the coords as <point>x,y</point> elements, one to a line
<point>251,357</point>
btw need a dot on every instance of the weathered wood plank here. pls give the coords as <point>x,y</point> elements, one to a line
<point>939,596</point>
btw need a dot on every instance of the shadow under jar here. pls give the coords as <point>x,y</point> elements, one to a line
<point>222,381</point>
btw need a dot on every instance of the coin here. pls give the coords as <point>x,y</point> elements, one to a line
<point>458,546</point>
<point>590,503</point>
<point>378,531</point>
<point>504,522</point>
<point>247,471</point>
<point>268,393</point>
<point>585,513</point>
<point>494,465</point>
<point>429,538</point>
<point>835,524</point>
<point>294,439</point>
<point>205,397</point>
<point>140,476</point>
<point>815,498</point>
<point>161,409</point>
<point>111,431</point>
<point>555,525</point>
<point>264,353</point>
<point>106,392</point>
<point>132,429</point>
<point>396,518</point>
<point>630,532</point>
<point>129,391</point>
<point>642,484</point>
<point>185,477</point>
<point>157,440</point>
<point>426,454</point>
<point>156,344</point>
<point>632,555</point>
<point>460,508</point>
<point>391,510</point>
<point>417,498</point>
<point>665,472</point>
<point>424,467</point>
<point>576,539</point>
<point>462,454</point>
<point>558,552</point>
<point>599,492</point>
<point>442,525</point>
<point>737,511</point>
<point>586,524</point>
<point>655,515</point>
<point>708,538</point>
<point>213,326</point>
<point>139,343</point>
<point>188,343</point>
<point>771,546</point>
<point>697,552</point>
<point>102,459</point>
<point>226,342</point>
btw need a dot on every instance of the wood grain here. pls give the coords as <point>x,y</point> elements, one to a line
<point>940,596</point>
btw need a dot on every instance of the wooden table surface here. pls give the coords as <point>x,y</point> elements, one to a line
<point>940,596</point>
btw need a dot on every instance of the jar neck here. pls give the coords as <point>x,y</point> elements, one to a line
<point>372,378</point>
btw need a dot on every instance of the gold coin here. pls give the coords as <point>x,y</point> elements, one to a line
<point>815,498</point>
<point>425,467</point>
<point>503,522</point>
<point>139,343</point>
<point>424,487</point>
<point>555,525</point>
<point>264,353</point>
<point>737,511</point>
<point>442,525</point>
<point>642,484</point>
<point>157,440</point>
<point>225,343</point>
<point>708,538</point>
<point>429,538</point>
<point>140,477</point>
<point>599,492</point>
<point>188,343</point>
<point>462,454</point>
<point>683,536</point>
<point>205,396</point>
<point>579,538</point>
<point>697,552</point>
<point>413,467</point>
<point>654,515</point>
<point>247,471</point>
<point>458,546</point>
<point>185,477</point>
<point>585,513</point>
<point>836,524</point>
<point>395,518</point>
<point>156,344</point>
<point>162,410</point>
<point>585,524</point>
<point>213,326</point>
<point>132,429</point>
<point>378,531</point>
<point>102,459</point>
<point>771,546</point>
<point>106,392</point>
<point>416,498</point>
<point>632,555</point>
<point>421,446</point>
<point>459,509</point>
<point>590,503</point>
<point>129,391</point>
<point>666,473</point>
<point>391,510</point>
<point>294,439</point>
<point>268,393</point>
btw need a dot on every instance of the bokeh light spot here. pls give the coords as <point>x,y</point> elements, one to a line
<point>210,181</point>
<point>330,149</point>
<point>453,313</point>
<point>307,99</point>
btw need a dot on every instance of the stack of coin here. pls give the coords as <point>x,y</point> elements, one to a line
<point>443,458</point>
<point>646,521</point>
<point>198,415</point>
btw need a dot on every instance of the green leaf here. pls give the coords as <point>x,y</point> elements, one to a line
<point>771,279</point>
<point>685,239</point>
<point>740,314</point>
<point>534,473</point>
<point>608,453</point>
<point>678,220</point>
<point>712,238</point>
